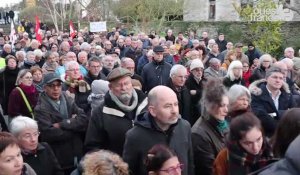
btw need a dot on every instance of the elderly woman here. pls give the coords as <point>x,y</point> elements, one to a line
<point>39,60</point>
<point>265,62</point>
<point>29,61</point>
<point>23,98</point>
<point>11,161</point>
<point>38,155</point>
<point>247,148</point>
<point>234,74</point>
<point>239,100</point>
<point>208,133</point>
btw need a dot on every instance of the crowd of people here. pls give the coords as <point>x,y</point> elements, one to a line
<point>117,104</point>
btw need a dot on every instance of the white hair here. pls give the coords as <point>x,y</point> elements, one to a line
<point>21,52</point>
<point>266,57</point>
<point>38,52</point>
<point>234,64</point>
<point>19,123</point>
<point>237,91</point>
<point>71,63</point>
<point>176,68</point>
<point>85,45</point>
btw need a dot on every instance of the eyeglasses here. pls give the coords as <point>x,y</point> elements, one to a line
<point>73,70</point>
<point>29,136</point>
<point>28,78</point>
<point>54,85</point>
<point>95,67</point>
<point>173,170</point>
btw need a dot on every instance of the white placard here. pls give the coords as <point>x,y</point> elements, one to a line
<point>98,26</point>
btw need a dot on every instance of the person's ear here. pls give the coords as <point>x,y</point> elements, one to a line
<point>151,110</point>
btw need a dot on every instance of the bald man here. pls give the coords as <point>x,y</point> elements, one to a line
<point>161,125</point>
<point>129,64</point>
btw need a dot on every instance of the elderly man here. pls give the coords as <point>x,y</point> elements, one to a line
<point>270,99</point>
<point>214,70</point>
<point>110,122</point>
<point>7,51</point>
<point>161,125</point>
<point>61,122</point>
<point>128,63</point>
<point>289,52</point>
<point>83,58</point>
<point>178,76</point>
<point>156,72</point>
<point>94,70</point>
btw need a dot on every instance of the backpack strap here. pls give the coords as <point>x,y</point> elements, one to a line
<point>26,102</point>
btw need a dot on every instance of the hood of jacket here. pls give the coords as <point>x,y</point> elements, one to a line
<point>255,87</point>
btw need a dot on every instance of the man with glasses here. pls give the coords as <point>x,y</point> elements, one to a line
<point>156,72</point>
<point>61,122</point>
<point>94,70</point>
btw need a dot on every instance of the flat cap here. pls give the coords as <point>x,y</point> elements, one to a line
<point>118,73</point>
<point>238,45</point>
<point>50,77</point>
<point>158,49</point>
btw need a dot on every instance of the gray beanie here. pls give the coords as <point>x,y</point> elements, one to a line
<point>100,86</point>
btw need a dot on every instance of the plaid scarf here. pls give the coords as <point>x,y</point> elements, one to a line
<point>74,84</point>
<point>241,162</point>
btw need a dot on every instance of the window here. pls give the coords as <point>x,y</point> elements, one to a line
<point>212,9</point>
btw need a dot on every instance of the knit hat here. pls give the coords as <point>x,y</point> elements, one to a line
<point>100,86</point>
<point>196,63</point>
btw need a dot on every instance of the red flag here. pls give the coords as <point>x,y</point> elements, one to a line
<point>72,29</point>
<point>37,29</point>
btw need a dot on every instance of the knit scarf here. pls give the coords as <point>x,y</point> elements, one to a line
<point>222,125</point>
<point>60,106</point>
<point>79,83</point>
<point>241,162</point>
<point>123,106</point>
<point>28,89</point>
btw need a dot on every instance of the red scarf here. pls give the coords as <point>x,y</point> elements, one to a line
<point>69,81</point>
<point>28,89</point>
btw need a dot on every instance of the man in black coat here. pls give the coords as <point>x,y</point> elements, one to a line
<point>271,97</point>
<point>178,76</point>
<point>156,72</point>
<point>110,122</point>
<point>161,125</point>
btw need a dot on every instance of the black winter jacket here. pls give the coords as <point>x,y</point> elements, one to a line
<point>43,161</point>
<point>264,108</point>
<point>109,124</point>
<point>145,134</point>
<point>154,74</point>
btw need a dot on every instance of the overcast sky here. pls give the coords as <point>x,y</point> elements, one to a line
<point>4,3</point>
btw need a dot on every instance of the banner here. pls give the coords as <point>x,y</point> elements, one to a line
<point>98,26</point>
<point>72,30</point>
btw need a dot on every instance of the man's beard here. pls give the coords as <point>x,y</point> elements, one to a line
<point>125,98</point>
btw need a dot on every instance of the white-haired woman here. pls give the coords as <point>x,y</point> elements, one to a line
<point>38,155</point>
<point>239,100</point>
<point>234,74</point>
<point>265,62</point>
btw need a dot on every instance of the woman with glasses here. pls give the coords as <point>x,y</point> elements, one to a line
<point>23,98</point>
<point>38,155</point>
<point>234,74</point>
<point>161,160</point>
<point>247,149</point>
<point>11,161</point>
